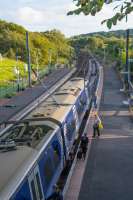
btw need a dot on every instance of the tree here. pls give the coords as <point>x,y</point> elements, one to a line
<point>94,6</point>
<point>13,39</point>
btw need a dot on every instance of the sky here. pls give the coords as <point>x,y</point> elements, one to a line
<point>42,15</point>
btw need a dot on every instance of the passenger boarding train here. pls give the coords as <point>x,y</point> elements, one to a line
<point>42,142</point>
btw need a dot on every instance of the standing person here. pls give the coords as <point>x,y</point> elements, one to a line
<point>84,145</point>
<point>69,161</point>
<point>84,140</point>
<point>96,126</point>
<point>56,195</point>
<point>79,154</point>
<point>84,150</point>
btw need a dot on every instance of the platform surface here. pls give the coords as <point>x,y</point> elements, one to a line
<point>108,173</point>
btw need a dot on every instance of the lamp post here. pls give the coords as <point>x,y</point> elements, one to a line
<point>25,74</point>
<point>37,62</point>
<point>17,72</point>
<point>120,54</point>
<point>130,60</point>
<point>126,65</point>
<point>50,60</point>
<point>28,59</point>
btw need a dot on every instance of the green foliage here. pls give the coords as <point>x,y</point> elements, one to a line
<point>13,42</point>
<point>91,7</point>
<point>102,44</point>
<point>7,70</point>
<point>50,46</point>
<point>108,47</point>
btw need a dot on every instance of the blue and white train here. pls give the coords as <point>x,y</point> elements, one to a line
<point>42,142</point>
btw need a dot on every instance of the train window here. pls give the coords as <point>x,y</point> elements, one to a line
<point>35,185</point>
<point>56,156</point>
<point>80,108</point>
<point>70,129</point>
<point>34,195</point>
<point>73,125</point>
<point>83,98</point>
<point>39,186</point>
<point>48,171</point>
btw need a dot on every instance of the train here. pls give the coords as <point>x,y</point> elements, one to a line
<point>38,146</point>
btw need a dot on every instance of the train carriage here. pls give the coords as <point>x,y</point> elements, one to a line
<point>43,141</point>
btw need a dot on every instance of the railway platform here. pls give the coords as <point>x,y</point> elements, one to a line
<point>107,172</point>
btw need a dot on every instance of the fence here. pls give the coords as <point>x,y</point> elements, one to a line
<point>10,88</point>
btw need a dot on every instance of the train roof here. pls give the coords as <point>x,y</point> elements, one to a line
<point>65,98</point>
<point>10,164</point>
<point>15,164</point>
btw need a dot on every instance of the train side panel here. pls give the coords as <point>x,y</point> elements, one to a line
<point>23,192</point>
<point>44,174</point>
<point>38,185</point>
<point>73,120</point>
<point>51,164</point>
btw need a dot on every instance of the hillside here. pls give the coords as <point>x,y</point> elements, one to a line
<point>118,33</point>
<point>107,46</point>
<point>42,45</point>
<point>52,47</point>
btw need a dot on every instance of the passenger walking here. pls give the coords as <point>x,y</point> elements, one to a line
<point>71,155</point>
<point>79,154</point>
<point>84,145</point>
<point>56,195</point>
<point>84,140</point>
<point>96,129</point>
<point>70,160</point>
<point>84,151</point>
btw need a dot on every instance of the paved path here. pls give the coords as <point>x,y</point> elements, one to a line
<point>109,169</point>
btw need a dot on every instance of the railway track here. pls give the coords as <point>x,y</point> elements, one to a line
<point>31,99</point>
<point>34,96</point>
<point>51,142</point>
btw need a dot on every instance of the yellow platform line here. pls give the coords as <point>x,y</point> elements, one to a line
<point>115,113</point>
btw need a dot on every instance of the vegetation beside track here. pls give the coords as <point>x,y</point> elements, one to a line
<point>51,48</point>
<point>107,46</point>
<point>44,47</point>
<point>47,50</point>
<point>7,70</point>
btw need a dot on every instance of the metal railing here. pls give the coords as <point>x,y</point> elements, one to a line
<point>9,90</point>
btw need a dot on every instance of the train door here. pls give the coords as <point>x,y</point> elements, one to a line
<point>36,189</point>
<point>87,96</point>
<point>75,114</point>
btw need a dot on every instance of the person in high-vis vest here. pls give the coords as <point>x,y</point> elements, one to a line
<point>96,128</point>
